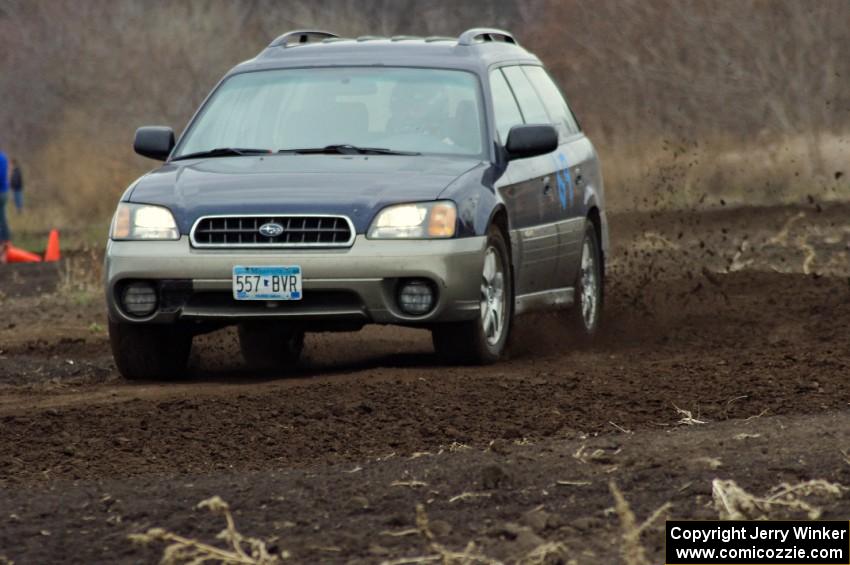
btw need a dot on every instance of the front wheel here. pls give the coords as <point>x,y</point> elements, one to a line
<point>482,341</point>
<point>150,351</point>
<point>587,311</point>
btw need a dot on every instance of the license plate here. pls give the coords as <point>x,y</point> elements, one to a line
<point>267,283</point>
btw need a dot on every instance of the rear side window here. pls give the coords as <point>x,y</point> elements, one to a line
<point>530,104</point>
<point>504,105</point>
<point>555,104</point>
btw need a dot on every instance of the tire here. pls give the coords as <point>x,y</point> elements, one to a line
<point>481,341</point>
<point>158,352</point>
<point>586,314</point>
<point>270,345</point>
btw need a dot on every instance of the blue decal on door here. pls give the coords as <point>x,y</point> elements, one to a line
<point>565,181</point>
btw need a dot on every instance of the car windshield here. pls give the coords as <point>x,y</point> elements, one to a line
<point>408,110</point>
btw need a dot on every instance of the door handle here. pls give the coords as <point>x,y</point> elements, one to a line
<point>547,185</point>
<point>579,180</point>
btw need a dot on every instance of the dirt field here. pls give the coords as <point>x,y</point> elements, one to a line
<point>725,355</point>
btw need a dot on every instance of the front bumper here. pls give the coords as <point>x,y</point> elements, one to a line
<point>356,285</point>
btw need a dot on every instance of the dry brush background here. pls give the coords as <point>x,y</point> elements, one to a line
<point>721,374</point>
<point>690,103</point>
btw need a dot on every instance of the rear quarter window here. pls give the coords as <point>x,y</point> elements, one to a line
<point>559,112</point>
<point>532,108</point>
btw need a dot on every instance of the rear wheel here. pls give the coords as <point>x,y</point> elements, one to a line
<point>587,311</point>
<point>150,351</point>
<point>270,345</point>
<point>482,341</point>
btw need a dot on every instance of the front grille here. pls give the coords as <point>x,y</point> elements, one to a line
<point>295,231</point>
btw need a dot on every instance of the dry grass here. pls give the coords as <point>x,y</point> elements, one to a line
<point>620,428</point>
<point>734,503</point>
<point>469,496</point>
<point>240,549</point>
<point>440,553</point>
<point>409,484</point>
<point>81,276</point>
<point>573,483</point>
<point>687,418</point>
<point>244,550</point>
<point>731,501</point>
<point>652,176</point>
<point>583,455</point>
<point>84,186</point>
<point>665,142</point>
<point>743,436</point>
<point>548,553</point>
<point>632,549</point>
<point>801,242</point>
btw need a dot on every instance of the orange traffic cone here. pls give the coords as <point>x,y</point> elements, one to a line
<point>16,255</point>
<point>52,252</point>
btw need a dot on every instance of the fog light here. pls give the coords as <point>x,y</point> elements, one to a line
<point>139,298</point>
<point>416,298</point>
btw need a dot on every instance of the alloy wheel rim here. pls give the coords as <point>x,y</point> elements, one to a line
<point>493,303</point>
<point>589,286</point>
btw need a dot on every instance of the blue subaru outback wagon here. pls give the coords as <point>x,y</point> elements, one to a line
<point>328,183</point>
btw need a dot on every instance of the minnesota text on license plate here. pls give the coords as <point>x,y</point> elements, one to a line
<point>267,283</point>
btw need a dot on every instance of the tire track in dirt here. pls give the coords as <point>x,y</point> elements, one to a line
<point>744,359</point>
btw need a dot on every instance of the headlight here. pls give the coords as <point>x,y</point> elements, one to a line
<point>143,221</point>
<point>423,220</point>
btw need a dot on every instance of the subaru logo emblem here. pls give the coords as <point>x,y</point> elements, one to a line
<point>271,229</point>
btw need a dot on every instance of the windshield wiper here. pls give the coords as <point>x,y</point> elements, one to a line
<point>223,152</point>
<point>347,149</point>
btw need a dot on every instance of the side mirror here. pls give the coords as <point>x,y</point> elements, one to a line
<point>531,140</point>
<point>155,142</point>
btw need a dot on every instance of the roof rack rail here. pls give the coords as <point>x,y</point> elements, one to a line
<point>300,36</point>
<point>433,38</point>
<point>484,35</point>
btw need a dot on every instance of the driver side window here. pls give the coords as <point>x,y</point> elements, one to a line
<point>505,108</point>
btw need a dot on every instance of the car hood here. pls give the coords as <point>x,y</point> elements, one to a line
<point>354,186</point>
